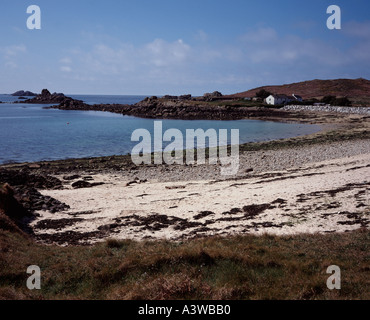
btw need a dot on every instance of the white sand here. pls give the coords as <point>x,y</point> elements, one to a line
<point>319,212</point>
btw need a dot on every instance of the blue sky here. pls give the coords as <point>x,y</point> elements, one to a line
<point>178,47</point>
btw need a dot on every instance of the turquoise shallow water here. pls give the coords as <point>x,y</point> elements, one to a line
<point>31,133</point>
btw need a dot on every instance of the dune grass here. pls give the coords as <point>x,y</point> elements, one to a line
<point>238,267</point>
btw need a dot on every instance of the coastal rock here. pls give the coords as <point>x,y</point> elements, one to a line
<point>169,97</point>
<point>185,97</point>
<point>24,93</point>
<point>9,204</point>
<point>71,177</point>
<point>31,180</point>
<point>54,98</point>
<point>81,184</point>
<point>24,186</point>
<point>84,184</point>
<point>216,95</point>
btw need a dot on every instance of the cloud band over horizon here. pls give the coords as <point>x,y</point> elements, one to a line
<point>198,61</point>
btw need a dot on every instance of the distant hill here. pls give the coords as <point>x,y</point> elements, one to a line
<point>351,88</point>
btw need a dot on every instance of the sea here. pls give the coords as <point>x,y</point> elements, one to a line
<point>30,133</point>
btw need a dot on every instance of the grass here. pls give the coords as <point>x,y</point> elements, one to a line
<point>238,267</point>
<point>236,103</point>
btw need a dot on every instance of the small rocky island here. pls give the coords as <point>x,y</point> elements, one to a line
<point>22,93</point>
<point>50,98</point>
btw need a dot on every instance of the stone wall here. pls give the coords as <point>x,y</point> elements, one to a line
<point>354,110</point>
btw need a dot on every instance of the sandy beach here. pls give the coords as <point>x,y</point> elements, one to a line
<point>319,188</point>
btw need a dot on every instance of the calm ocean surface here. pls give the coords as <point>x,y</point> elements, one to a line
<point>31,133</point>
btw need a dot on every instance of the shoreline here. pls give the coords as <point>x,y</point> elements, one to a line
<point>83,201</point>
<point>321,129</point>
<point>199,110</point>
<point>330,131</point>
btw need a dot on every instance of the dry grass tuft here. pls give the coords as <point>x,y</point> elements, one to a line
<point>239,267</point>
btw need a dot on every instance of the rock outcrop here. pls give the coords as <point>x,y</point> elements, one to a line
<point>24,94</point>
<point>160,108</point>
<point>183,107</point>
<point>11,212</point>
<point>53,98</point>
<point>25,183</point>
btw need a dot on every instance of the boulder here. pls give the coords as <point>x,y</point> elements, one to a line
<point>81,184</point>
<point>45,93</point>
<point>169,97</point>
<point>84,184</point>
<point>185,97</point>
<point>212,96</point>
<point>9,205</point>
<point>215,94</point>
<point>71,177</point>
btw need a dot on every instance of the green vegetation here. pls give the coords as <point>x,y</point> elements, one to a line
<point>263,94</point>
<point>242,103</point>
<point>236,103</point>
<point>334,101</point>
<point>240,267</point>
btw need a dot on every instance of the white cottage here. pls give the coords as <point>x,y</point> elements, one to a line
<point>276,99</point>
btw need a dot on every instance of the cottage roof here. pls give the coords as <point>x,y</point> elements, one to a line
<point>280,96</point>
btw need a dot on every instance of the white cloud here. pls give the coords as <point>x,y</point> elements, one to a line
<point>11,51</point>
<point>357,29</point>
<point>265,46</point>
<point>161,53</point>
<point>126,59</point>
<point>11,64</point>
<point>108,60</point>
<point>260,56</point>
<point>262,35</point>
<point>65,60</point>
<point>66,69</point>
<point>201,36</point>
